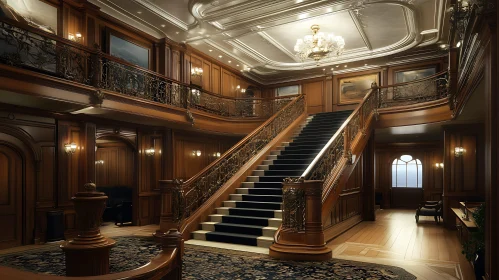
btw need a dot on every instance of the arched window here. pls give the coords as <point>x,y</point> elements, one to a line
<point>407,172</point>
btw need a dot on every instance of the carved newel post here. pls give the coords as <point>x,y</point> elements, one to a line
<point>171,206</point>
<point>88,253</point>
<point>301,236</point>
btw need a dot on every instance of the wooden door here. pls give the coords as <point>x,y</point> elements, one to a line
<point>11,184</point>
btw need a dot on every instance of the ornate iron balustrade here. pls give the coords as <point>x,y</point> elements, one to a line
<point>190,195</point>
<point>33,49</point>
<point>293,207</point>
<point>326,164</point>
<point>428,89</point>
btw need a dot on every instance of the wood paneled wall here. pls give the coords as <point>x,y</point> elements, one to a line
<point>351,199</point>
<point>323,93</point>
<point>219,79</point>
<point>187,162</point>
<point>427,153</point>
<point>119,165</point>
<point>463,175</point>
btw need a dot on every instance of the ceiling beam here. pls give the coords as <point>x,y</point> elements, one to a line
<point>360,28</point>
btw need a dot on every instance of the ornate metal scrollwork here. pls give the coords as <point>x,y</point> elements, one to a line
<point>60,58</point>
<point>414,92</point>
<point>293,180</point>
<point>200,188</point>
<point>293,208</point>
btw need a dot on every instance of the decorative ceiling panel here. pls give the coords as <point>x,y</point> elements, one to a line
<point>261,34</point>
<point>385,24</point>
<point>340,24</point>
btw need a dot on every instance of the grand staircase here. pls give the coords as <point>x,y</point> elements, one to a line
<point>253,213</point>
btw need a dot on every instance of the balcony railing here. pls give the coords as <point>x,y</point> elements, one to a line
<point>431,88</point>
<point>30,48</point>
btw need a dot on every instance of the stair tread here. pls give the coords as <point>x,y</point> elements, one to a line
<point>239,225</point>
<point>247,217</point>
<point>253,209</point>
<point>266,202</point>
<point>235,234</point>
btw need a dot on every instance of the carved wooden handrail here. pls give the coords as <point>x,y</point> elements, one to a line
<point>182,199</point>
<point>34,49</point>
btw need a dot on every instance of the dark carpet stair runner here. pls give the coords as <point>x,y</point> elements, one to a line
<point>253,213</point>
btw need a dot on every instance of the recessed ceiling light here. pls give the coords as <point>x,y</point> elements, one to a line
<point>237,65</point>
<point>139,12</point>
<point>163,25</point>
<point>230,61</point>
<point>210,50</point>
<point>220,56</point>
<point>365,64</point>
<point>345,66</point>
<point>337,66</point>
<point>332,69</point>
<point>177,32</point>
<point>302,16</point>
<point>323,69</point>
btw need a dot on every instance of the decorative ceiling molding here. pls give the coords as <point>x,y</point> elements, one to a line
<point>221,49</point>
<point>117,12</point>
<point>360,28</point>
<point>165,15</point>
<point>279,46</point>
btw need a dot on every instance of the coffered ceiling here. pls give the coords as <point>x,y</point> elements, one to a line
<point>258,36</point>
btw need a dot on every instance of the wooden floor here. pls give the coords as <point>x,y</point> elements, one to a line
<point>426,249</point>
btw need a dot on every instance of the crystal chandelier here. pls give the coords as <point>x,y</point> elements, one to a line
<point>318,45</point>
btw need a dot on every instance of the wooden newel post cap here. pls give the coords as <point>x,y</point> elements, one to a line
<point>170,239</point>
<point>88,253</point>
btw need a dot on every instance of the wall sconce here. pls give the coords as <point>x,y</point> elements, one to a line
<point>238,87</point>
<point>99,162</point>
<point>439,165</point>
<point>196,71</point>
<point>70,148</point>
<point>150,152</point>
<point>458,151</point>
<point>196,153</point>
<point>243,90</point>
<point>75,37</point>
<point>217,154</point>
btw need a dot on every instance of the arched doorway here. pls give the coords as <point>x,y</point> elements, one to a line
<point>116,176</point>
<point>11,197</point>
<point>407,182</point>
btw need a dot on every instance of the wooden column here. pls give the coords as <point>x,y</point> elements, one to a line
<point>368,192</point>
<point>88,143</point>
<point>169,189</point>
<point>305,242</point>
<point>88,253</point>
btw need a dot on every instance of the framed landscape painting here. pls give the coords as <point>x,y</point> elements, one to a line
<point>405,76</point>
<point>353,89</point>
<point>128,51</point>
<point>288,90</point>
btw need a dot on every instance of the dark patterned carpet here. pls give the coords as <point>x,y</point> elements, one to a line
<point>209,263</point>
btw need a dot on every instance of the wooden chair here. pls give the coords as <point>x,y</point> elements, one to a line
<point>431,209</point>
